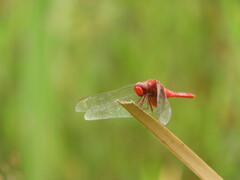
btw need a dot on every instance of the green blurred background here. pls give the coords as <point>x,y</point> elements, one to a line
<point>54,52</point>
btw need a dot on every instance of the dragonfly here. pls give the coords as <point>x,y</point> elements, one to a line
<point>149,95</point>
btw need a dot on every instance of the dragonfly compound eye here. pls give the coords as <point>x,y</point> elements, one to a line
<point>138,90</point>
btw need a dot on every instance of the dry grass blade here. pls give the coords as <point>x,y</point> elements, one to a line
<point>178,148</point>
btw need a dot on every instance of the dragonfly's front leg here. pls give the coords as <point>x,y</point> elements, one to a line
<point>141,101</point>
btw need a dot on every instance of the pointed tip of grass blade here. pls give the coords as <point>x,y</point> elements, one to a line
<point>123,102</point>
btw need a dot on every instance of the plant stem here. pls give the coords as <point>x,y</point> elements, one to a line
<point>174,144</point>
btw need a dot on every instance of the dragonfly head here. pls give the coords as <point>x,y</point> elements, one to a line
<point>140,88</point>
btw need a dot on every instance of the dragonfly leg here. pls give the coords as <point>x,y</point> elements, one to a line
<point>149,103</point>
<point>139,100</point>
<point>146,108</point>
<point>142,101</point>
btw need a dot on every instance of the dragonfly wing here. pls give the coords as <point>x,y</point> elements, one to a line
<point>106,111</point>
<point>104,105</point>
<point>163,107</point>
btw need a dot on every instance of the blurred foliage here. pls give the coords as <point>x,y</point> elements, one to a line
<point>54,52</point>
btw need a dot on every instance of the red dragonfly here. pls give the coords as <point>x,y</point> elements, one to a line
<point>149,95</point>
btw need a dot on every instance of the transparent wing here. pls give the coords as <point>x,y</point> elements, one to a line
<point>164,110</point>
<point>104,105</point>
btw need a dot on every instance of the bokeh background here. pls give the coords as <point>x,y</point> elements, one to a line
<point>54,52</point>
